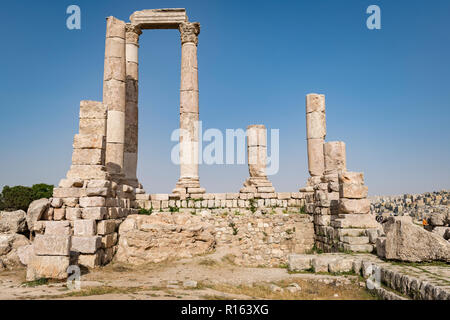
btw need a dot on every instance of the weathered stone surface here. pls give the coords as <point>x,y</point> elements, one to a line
<point>52,267</point>
<point>354,206</point>
<point>89,141</point>
<point>106,227</point>
<point>159,237</point>
<point>91,260</point>
<point>406,241</point>
<point>94,213</point>
<point>159,18</point>
<point>88,245</point>
<point>35,211</point>
<point>51,245</point>
<point>86,202</point>
<point>355,221</point>
<point>25,254</point>
<point>316,163</point>
<point>73,214</point>
<point>92,110</point>
<point>61,228</point>
<point>353,191</point>
<point>84,228</point>
<point>351,177</point>
<point>88,156</point>
<point>13,222</point>
<point>341,265</point>
<point>299,262</point>
<point>334,157</point>
<point>10,244</point>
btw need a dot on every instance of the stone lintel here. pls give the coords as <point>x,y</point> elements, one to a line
<point>159,18</point>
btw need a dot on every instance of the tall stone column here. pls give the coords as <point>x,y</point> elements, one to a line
<point>257,161</point>
<point>315,133</point>
<point>189,111</point>
<point>114,91</point>
<point>131,110</point>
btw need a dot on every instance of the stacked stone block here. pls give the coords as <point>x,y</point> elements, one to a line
<point>315,133</point>
<point>51,256</point>
<point>225,202</point>
<point>355,228</point>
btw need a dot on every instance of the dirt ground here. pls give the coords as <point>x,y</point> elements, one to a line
<point>215,275</point>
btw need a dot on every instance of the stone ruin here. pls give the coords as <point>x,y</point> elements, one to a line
<point>101,189</point>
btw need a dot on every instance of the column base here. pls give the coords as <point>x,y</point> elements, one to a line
<point>188,187</point>
<point>258,185</point>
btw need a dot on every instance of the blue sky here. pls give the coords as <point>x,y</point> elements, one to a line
<point>387,90</point>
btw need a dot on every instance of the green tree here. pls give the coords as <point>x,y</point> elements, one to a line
<point>17,198</point>
<point>42,190</point>
<point>20,197</point>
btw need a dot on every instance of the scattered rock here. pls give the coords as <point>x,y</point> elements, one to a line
<point>406,241</point>
<point>190,284</point>
<point>13,222</point>
<point>35,211</point>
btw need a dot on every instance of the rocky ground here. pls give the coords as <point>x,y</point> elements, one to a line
<point>205,277</point>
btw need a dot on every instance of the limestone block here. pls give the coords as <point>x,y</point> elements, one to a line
<point>94,213</point>
<point>353,191</point>
<point>87,172</point>
<point>159,18</point>
<point>132,53</point>
<point>88,156</point>
<point>189,79</point>
<point>92,110</point>
<point>92,127</point>
<point>67,192</point>
<point>320,263</point>
<point>86,202</point>
<point>56,203</point>
<point>341,265</point>
<point>61,228</point>
<point>354,206</point>
<point>98,184</point>
<point>232,196</point>
<point>106,227</point>
<point>70,202</point>
<point>284,195</point>
<point>315,103</point>
<point>109,240</point>
<point>115,28</point>
<point>315,157</point>
<point>357,247</point>
<point>84,228</point>
<point>335,157</point>
<point>355,221</point>
<point>87,245</point>
<point>71,183</point>
<point>51,245</point>
<point>299,262</point>
<point>91,260</point>
<point>13,222</point>
<point>92,192</point>
<point>315,125</point>
<point>49,267</point>
<point>266,190</point>
<point>356,240</point>
<point>35,211</point>
<point>196,191</point>
<point>351,177</point>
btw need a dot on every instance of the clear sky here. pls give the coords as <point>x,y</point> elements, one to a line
<point>387,90</point>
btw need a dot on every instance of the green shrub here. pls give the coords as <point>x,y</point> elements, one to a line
<point>145,212</point>
<point>20,197</point>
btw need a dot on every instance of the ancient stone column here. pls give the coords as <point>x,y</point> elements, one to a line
<point>114,90</point>
<point>131,110</point>
<point>257,161</point>
<point>315,132</point>
<point>189,110</point>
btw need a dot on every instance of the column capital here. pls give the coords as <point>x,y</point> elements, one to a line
<point>189,32</point>
<point>132,33</point>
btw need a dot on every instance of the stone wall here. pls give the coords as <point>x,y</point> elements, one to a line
<point>251,239</point>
